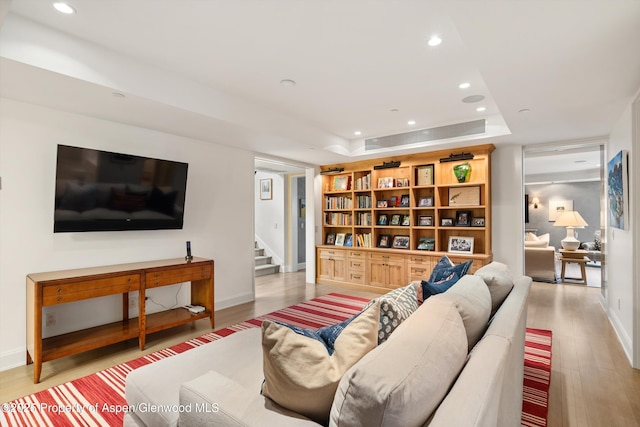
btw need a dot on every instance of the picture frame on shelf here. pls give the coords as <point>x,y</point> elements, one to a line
<point>265,189</point>
<point>463,218</point>
<point>426,244</point>
<point>348,240</point>
<point>400,242</point>
<point>404,201</point>
<point>477,221</point>
<point>460,245</point>
<point>330,239</point>
<point>383,219</point>
<point>464,196</point>
<point>395,219</point>
<point>385,182</point>
<point>424,175</point>
<point>425,221</point>
<point>340,239</point>
<point>425,202</point>
<point>402,182</point>
<point>446,222</point>
<point>384,241</point>
<point>392,202</point>
<point>381,204</point>
<point>340,183</point>
<point>406,220</point>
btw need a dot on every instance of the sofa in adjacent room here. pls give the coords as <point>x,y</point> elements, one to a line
<point>539,258</point>
<point>455,360</point>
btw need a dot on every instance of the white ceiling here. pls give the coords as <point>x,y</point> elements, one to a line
<point>574,64</point>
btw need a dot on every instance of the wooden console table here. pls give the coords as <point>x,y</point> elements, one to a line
<point>60,287</point>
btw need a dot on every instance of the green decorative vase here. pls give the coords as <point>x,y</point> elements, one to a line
<point>462,171</point>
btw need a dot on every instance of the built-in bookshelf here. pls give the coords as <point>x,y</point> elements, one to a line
<point>422,205</point>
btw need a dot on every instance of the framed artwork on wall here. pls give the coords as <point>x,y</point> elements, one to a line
<point>556,207</point>
<point>265,189</point>
<point>617,178</point>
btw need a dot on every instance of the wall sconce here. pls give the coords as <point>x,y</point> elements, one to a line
<point>535,202</point>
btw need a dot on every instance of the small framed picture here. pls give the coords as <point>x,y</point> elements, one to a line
<point>404,201</point>
<point>384,241</point>
<point>406,220</point>
<point>330,239</point>
<point>427,244</point>
<point>460,245</point>
<point>383,219</point>
<point>425,202</point>
<point>477,221</point>
<point>446,222</point>
<point>386,182</point>
<point>402,182</point>
<point>425,221</point>
<point>265,189</point>
<point>341,183</point>
<point>424,175</point>
<point>348,240</point>
<point>340,239</point>
<point>463,219</point>
<point>381,204</point>
<point>392,202</point>
<point>395,219</point>
<point>400,242</point>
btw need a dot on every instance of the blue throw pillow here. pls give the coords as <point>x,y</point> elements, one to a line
<point>433,288</point>
<point>445,267</point>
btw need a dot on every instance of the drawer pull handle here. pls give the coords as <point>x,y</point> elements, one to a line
<point>357,277</point>
<point>59,290</point>
<point>385,256</point>
<point>356,254</point>
<point>419,271</point>
<point>59,299</point>
<point>331,252</point>
<point>356,264</point>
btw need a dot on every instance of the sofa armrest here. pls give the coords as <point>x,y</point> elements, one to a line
<point>213,399</point>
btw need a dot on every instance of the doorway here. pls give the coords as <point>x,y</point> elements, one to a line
<point>561,177</point>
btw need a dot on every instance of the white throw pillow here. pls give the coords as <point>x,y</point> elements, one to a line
<point>499,281</point>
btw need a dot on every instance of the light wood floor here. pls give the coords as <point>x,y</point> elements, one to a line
<point>592,383</point>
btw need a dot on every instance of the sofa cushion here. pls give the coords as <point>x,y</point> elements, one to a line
<point>472,299</point>
<point>395,307</point>
<point>440,286</point>
<point>499,281</point>
<point>402,381</point>
<point>299,372</point>
<point>445,267</point>
<point>533,241</point>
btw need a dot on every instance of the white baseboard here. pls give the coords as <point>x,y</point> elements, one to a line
<point>13,358</point>
<point>623,337</point>
<point>230,302</point>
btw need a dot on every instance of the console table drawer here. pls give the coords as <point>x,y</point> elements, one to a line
<point>60,294</point>
<point>171,277</point>
<point>388,257</point>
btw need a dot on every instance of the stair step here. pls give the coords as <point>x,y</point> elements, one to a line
<point>263,270</point>
<point>263,260</point>
<point>259,252</point>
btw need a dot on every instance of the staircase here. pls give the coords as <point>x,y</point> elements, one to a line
<point>264,263</point>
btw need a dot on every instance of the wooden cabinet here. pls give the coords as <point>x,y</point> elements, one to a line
<point>332,264</point>
<point>356,265</point>
<point>411,206</point>
<point>60,287</point>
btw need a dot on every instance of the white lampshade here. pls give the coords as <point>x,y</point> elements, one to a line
<point>571,220</point>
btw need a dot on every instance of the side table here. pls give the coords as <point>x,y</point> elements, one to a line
<point>566,258</point>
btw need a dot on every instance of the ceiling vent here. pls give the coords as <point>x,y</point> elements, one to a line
<point>475,127</point>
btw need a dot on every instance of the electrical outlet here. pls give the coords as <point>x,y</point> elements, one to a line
<point>133,302</point>
<point>51,319</point>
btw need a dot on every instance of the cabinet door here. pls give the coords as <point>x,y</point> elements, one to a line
<point>396,276</point>
<point>332,265</point>
<point>377,273</point>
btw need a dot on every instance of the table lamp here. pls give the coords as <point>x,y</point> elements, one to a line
<point>571,220</point>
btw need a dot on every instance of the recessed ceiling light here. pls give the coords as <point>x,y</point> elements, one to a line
<point>481,109</point>
<point>64,8</point>
<point>434,41</point>
<point>473,98</point>
<point>287,83</point>
<point>464,85</point>
<point>411,122</point>
<point>357,133</point>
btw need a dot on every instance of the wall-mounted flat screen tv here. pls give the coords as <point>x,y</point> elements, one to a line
<point>104,191</point>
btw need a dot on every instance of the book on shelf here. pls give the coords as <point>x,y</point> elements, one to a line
<point>364,218</point>
<point>337,218</point>
<point>363,240</point>
<point>363,202</point>
<point>338,202</point>
<point>363,183</point>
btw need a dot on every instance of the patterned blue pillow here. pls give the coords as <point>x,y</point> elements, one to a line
<point>327,335</point>
<point>395,307</point>
<point>430,288</point>
<point>445,267</point>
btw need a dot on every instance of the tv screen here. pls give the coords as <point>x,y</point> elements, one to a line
<point>104,191</point>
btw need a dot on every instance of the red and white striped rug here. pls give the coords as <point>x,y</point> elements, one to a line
<point>537,377</point>
<point>98,399</point>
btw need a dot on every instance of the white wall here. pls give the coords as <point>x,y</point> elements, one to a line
<point>619,248</point>
<point>270,217</point>
<point>218,209</point>
<point>507,200</point>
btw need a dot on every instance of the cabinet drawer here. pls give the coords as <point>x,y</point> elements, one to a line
<point>332,253</point>
<point>60,294</point>
<point>356,277</point>
<point>419,259</point>
<point>179,275</point>
<point>357,254</point>
<point>356,265</point>
<point>387,257</point>
<point>418,273</point>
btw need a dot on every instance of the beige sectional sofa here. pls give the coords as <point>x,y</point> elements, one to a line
<point>539,258</point>
<point>423,374</point>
